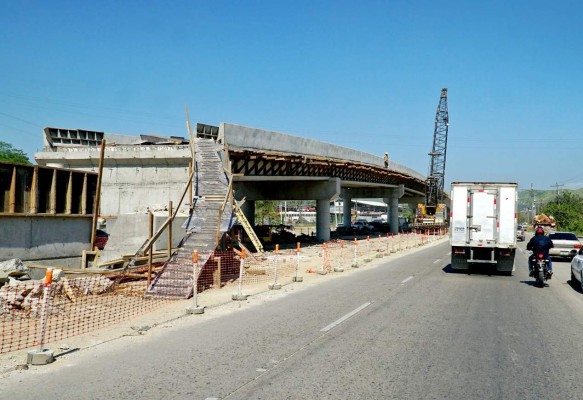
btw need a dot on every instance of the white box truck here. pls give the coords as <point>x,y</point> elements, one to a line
<point>483,224</point>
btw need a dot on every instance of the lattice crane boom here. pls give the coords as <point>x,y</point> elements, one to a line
<point>435,180</point>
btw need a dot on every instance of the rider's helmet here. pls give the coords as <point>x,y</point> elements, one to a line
<point>539,230</point>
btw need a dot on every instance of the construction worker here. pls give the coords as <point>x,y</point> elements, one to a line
<point>386,159</point>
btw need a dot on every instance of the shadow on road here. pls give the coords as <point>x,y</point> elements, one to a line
<point>533,283</point>
<point>576,285</point>
<point>483,269</point>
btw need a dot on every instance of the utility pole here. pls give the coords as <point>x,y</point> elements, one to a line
<point>532,211</point>
<point>557,186</point>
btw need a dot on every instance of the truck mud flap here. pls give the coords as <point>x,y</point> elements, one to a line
<point>459,261</point>
<point>506,261</point>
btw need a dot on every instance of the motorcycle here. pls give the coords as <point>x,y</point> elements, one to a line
<point>540,268</point>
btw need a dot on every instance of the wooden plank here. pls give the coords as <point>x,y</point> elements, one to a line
<point>34,192</point>
<point>53,194</point>
<point>68,291</point>
<point>69,197</point>
<point>84,195</point>
<point>169,246</point>
<point>217,274</point>
<point>97,194</point>
<point>12,194</point>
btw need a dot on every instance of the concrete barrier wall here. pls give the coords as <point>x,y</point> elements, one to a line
<point>38,238</point>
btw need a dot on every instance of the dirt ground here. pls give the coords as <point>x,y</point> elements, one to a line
<point>215,301</point>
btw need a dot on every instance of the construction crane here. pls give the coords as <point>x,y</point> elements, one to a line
<point>433,212</point>
<point>435,180</point>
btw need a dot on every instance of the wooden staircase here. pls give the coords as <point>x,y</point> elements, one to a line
<point>211,185</point>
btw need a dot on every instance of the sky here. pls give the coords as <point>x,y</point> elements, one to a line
<point>360,74</point>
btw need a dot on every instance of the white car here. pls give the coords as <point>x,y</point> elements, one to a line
<point>577,268</point>
<point>566,244</point>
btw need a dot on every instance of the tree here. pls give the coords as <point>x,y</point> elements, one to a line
<point>10,154</point>
<point>266,212</point>
<point>567,211</point>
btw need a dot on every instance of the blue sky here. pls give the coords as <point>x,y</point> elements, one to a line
<point>361,74</point>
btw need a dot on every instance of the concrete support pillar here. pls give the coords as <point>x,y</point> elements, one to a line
<point>393,216</point>
<point>248,209</point>
<point>393,202</point>
<point>323,220</point>
<point>347,211</point>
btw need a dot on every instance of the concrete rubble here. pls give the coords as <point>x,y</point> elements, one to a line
<point>27,295</point>
<point>13,268</point>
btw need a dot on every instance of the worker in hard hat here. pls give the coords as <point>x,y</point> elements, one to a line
<point>386,159</point>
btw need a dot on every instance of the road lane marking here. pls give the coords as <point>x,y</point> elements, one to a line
<point>436,261</point>
<point>407,280</point>
<point>350,314</point>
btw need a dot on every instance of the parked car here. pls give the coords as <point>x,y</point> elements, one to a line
<point>565,244</point>
<point>380,225</point>
<point>520,233</point>
<point>342,229</point>
<point>577,268</point>
<point>362,226</point>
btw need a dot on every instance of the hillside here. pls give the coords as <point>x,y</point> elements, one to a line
<point>540,197</point>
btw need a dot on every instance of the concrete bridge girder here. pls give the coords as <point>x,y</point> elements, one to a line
<point>323,190</point>
<point>287,188</point>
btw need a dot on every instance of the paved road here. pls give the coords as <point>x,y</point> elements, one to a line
<point>407,329</point>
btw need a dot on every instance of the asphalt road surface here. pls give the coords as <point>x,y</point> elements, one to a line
<point>410,328</point>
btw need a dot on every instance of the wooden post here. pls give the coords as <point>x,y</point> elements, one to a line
<point>190,186</point>
<point>97,195</point>
<point>69,199</point>
<point>53,194</point>
<point>12,195</point>
<point>33,209</point>
<point>217,274</point>
<point>170,229</point>
<point>151,250</point>
<point>84,196</point>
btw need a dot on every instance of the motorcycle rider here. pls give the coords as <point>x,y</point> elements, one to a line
<point>539,243</point>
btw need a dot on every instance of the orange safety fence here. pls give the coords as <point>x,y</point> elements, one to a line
<point>78,305</point>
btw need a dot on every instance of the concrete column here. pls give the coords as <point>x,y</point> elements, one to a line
<point>393,202</point>
<point>347,211</point>
<point>393,216</point>
<point>248,209</point>
<point>323,220</point>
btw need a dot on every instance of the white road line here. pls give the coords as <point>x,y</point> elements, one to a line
<point>407,280</point>
<point>436,261</point>
<point>350,314</point>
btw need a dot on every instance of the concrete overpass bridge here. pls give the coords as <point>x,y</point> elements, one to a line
<point>146,171</point>
<point>268,165</point>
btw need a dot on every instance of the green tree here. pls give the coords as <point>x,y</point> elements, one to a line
<point>10,154</point>
<point>567,210</point>
<point>266,212</point>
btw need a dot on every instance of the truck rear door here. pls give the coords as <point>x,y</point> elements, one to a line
<point>482,216</point>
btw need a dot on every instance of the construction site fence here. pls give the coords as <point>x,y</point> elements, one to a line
<point>33,313</point>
